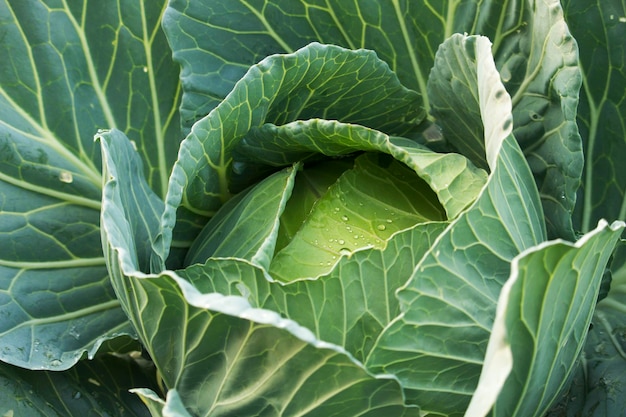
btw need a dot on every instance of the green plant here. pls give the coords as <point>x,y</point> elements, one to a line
<point>344,232</point>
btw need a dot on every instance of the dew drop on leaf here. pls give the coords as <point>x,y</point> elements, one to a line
<point>66,177</point>
<point>381,227</point>
<point>344,218</point>
<point>74,333</point>
<point>345,252</point>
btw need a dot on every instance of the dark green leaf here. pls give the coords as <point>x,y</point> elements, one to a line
<point>600,29</point>
<point>254,214</point>
<point>95,388</point>
<point>67,70</point>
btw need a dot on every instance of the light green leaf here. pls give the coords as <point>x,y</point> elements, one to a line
<point>316,81</point>
<point>97,387</point>
<point>532,46</point>
<point>547,336</point>
<point>69,69</point>
<point>454,179</point>
<point>498,361</point>
<point>363,209</point>
<point>213,350</point>
<point>357,296</point>
<point>437,346</point>
<point>310,185</point>
<point>254,214</point>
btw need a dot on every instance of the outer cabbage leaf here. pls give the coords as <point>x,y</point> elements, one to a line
<point>554,290</point>
<point>68,69</point>
<point>543,338</point>
<point>598,387</point>
<point>437,345</point>
<point>532,47</point>
<point>316,81</point>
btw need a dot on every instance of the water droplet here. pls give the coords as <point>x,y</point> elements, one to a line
<point>341,241</point>
<point>145,69</point>
<point>76,395</point>
<point>56,362</point>
<point>66,177</point>
<point>74,333</point>
<point>356,236</point>
<point>381,227</point>
<point>336,209</point>
<point>348,229</point>
<point>345,252</point>
<point>389,221</point>
<point>344,218</point>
